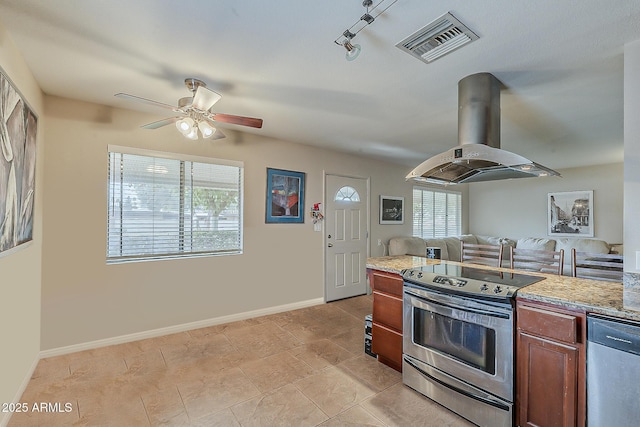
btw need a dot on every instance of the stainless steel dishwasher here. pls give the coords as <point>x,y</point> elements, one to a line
<point>613,372</point>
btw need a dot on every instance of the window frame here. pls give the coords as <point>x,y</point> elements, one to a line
<point>443,233</point>
<point>185,182</point>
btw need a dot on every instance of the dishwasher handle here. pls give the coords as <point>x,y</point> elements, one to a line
<point>618,334</point>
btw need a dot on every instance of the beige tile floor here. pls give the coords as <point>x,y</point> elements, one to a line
<point>299,368</point>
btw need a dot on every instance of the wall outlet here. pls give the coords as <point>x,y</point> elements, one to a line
<point>379,242</point>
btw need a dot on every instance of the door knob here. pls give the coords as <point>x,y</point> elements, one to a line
<point>330,245</point>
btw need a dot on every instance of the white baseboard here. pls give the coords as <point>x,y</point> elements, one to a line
<point>175,329</point>
<point>5,417</point>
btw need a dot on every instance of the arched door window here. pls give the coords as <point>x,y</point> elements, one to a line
<point>347,194</point>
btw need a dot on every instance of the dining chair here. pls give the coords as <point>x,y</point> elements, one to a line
<point>537,260</point>
<point>590,265</point>
<point>472,253</point>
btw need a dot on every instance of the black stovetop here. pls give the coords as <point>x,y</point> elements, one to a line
<point>478,273</point>
<point>470,281</point>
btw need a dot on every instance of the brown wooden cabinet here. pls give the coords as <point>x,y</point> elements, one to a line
<point>550,365</point>
<point>386,331</point>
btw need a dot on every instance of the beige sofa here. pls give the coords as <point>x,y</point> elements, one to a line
<point>450,246</point>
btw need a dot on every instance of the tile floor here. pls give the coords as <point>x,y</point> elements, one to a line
<point>299,368</point>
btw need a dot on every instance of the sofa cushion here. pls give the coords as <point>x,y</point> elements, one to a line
<point>453,245</point>
<point>407,246</point>
<point>489,240</point>
<point>582,245</point>
<point>536,244</point>
<point>495,241</point>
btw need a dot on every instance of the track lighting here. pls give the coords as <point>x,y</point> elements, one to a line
<point>353,50</point>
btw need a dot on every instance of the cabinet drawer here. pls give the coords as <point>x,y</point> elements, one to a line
<point>387,310</point>
<point>557,326</point>
<point>387,344</point>
<point>387,282</point>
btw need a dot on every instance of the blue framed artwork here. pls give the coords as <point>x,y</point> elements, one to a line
<point>285,196</point>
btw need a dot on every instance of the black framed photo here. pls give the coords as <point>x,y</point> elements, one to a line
<point>391,210</point>
<point>285,196</point>
<point>570,213</point>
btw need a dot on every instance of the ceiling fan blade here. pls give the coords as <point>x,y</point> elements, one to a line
<point>236,120</point>
<point>205,98</point>
<point>160,123</point>
<point>147,101</point>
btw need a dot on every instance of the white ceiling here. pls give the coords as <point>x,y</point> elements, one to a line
<point>561,63</point>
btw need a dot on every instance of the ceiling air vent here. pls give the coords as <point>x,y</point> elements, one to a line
<point>442,36</point>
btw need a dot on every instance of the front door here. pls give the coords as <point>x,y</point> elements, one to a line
<point>346,225</point>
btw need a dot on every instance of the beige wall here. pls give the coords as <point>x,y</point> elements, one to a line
<point>20,268</point>
<point>83,299</point>
<point>518,208</point>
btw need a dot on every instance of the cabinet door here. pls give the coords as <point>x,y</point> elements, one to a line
<point>388,283</point>
<point>387,344</point>
<point>547,382</point>
<point>387,310</point>
<point>550,365</point>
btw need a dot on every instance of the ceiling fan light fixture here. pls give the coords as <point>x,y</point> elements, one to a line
<point>185,125</point>
<point>206,130</point>
<point>192,134</point>
<point>193,116</point>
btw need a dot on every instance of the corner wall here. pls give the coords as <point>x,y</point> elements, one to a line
<point>632,162</point>
<point>518,208</point>
<point>20,268</point>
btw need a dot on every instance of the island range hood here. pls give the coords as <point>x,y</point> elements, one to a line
<point>478,156</point>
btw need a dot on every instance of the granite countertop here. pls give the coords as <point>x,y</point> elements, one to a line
<point>593,296</point>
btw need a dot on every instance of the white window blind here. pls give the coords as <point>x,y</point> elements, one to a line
<point>163,207</point>
<point>436,213</point>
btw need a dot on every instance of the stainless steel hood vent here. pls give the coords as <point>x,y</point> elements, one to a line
<point>478,156</point>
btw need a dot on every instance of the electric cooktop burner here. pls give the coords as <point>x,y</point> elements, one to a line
<point>470,281</point>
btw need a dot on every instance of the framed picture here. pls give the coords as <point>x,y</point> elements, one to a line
<point>570,213</point>
<point>17,166</point>
<point>391,210</point>
<point>285,196</point>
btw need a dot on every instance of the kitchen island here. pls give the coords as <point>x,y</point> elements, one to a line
<point>592,296</point>
<point>550,334</point>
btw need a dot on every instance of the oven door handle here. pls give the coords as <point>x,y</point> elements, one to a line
<point>457,307</point>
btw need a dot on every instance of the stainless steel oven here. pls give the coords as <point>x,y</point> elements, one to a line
<point>458,343</point>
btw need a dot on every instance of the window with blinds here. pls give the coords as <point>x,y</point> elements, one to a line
<point>436,213</point>
<point>165,207</point>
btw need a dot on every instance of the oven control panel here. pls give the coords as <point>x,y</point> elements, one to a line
<point>496,289</point>
<point>485,284</point>
<point>451,281</point>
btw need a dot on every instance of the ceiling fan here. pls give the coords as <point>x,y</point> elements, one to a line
<point>194,112</point>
